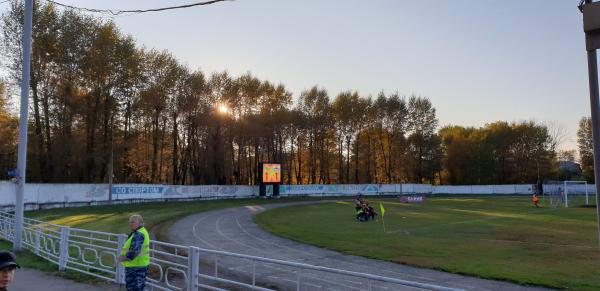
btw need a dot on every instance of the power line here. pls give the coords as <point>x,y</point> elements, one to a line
<point>119,12</point>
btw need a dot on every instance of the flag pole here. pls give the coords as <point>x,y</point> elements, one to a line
<point>382,215</point>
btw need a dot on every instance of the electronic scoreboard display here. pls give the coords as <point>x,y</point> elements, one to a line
<point>271,173</point>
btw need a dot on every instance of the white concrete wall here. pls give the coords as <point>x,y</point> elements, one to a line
<point>71,193</point>
<point>82,194</point>
<point>484,189</point>
<point>7,193</point>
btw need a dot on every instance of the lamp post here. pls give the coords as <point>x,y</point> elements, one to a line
<point>24,112</point>
<point>591,27</point>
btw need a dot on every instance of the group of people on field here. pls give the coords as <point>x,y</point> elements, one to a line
<point>363,210</point>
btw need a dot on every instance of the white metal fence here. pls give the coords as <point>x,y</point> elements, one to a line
<point>176,267</point>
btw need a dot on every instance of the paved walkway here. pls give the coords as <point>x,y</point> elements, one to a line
<point>32,280</point>
<point>233,230</point>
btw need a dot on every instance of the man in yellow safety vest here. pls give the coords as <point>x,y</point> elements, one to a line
<point>135,256</point>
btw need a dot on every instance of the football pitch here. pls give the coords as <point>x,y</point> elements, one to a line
<point>503,238</point>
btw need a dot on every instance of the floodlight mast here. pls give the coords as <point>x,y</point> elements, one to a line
<point>24,112</point>
<point>591,27</point>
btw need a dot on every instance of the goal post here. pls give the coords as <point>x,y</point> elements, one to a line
<point>563,193</point>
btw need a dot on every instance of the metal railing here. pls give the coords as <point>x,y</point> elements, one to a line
<point>177,267</point>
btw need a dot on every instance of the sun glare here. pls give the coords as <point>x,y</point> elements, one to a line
<point>223,108</point>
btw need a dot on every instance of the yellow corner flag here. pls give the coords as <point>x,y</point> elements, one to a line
<point>382,213</point>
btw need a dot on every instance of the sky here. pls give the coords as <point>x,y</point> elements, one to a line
<point>477,61</point>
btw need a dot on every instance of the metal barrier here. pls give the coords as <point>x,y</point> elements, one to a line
<point>176,267</point>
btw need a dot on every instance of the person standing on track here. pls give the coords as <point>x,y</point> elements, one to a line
<point>135,256</point>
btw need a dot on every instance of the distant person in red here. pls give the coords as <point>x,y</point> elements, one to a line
<point>536,200</point>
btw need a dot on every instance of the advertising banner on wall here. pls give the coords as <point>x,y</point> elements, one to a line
<point>67,193</point>
<point>138,191</point>
<point>301,189</point>
<point>210,191</point>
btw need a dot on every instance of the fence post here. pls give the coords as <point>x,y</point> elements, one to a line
<point>119,270</point>
<point>5,227</point>
<point>11,231</point>
<point>38,234</point>
<point>64,248</point>
<point>193,267</point>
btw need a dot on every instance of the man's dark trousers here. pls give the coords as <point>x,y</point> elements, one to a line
<point>135,278</point>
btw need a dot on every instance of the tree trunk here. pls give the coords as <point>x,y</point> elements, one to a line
<point>49,175</point>
<point>126,168</point>
<point>369,174</point>
<point>340,179</point>
<point>347,178</point>
<point>356,180</point>
<point>163,130</point>
<point>299,169</point>
<point>38,128</point>
<point>291,161</point>
<point>154,157</point>
<point>175,157</point>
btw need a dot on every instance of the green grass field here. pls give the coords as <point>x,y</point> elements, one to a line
<point>491,237</point>
<point>157,216</point>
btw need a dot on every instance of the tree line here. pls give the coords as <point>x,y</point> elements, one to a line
<point>101,104</point>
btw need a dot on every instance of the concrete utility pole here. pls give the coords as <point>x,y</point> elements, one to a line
<point>591,27</point>
<point>24,112</point>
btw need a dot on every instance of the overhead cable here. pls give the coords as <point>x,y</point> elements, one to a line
<point>119,12</point>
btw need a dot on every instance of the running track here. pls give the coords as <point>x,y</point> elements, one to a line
<point>233,230</point>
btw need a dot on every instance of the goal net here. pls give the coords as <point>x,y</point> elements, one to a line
<point>566,193</point>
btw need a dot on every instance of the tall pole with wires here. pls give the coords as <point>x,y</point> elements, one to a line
<point>24,112</point>
<point>591,27</point>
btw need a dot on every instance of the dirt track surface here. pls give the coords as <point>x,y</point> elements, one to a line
<point>233,230</point>
<point>31,280</point>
